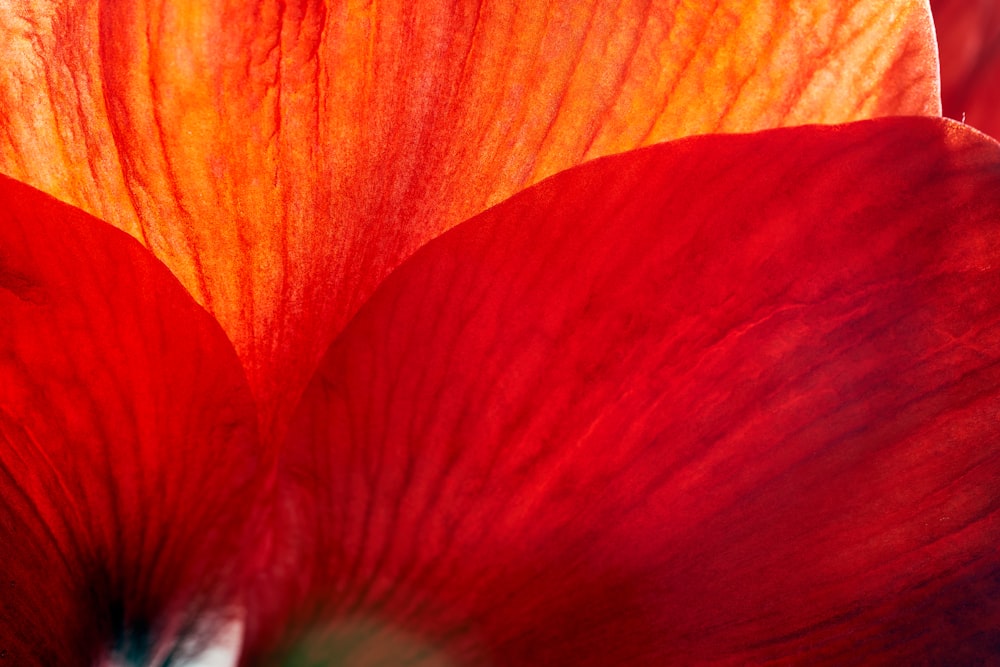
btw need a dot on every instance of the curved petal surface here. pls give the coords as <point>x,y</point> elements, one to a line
<point>128,446</point>
<point>282,157</point>
<point>968,33</point>
<point>729,400</point>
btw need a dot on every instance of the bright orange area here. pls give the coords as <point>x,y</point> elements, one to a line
<point>283,157</point>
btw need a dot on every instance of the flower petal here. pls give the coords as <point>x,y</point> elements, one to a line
<point>968,33</point>
<point>283,157</point>
<point>731,399</point>
<point>128,444</point>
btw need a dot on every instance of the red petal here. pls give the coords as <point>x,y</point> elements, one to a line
<point>968,33</point>
<point>128,444</point>
<point>282,157</point>
<point>726,399</point>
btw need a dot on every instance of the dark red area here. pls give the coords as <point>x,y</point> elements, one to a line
<point>968,33</point>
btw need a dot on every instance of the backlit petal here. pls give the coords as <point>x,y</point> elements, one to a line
<point>730,399</point>
<point>282,157</point>
<point>128,445</point>
<point>968,34</point>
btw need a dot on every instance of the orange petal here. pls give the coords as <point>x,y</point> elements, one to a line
<point>968,33</point>
<point>283,157</point>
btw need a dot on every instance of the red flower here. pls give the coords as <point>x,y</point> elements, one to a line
<point>725,399</point>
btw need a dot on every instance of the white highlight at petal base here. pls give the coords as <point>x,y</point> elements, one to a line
<point>224,651</point>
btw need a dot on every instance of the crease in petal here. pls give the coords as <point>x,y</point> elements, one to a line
<point>129,456</point>
<point>283,157</point>
<point>730,399</point>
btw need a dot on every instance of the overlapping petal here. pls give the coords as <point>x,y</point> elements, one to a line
<point>282,157</point>
<point>729,399</point>
<point>128,446</point>
<point>968,34</point>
